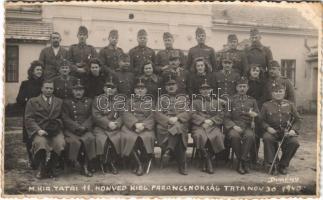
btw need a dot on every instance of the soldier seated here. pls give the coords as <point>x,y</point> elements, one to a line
<point>206,127</point>
<point>137,134</point>
<point>281,122</point>
<point>240,123</point>
<point>172,125</point>
<point>78,122</point>
<point>44,127</point>
<point>107,125</point>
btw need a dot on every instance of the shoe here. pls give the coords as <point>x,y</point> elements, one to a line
<point>166,156</point>
<point>86,172</point>
<point>240,168</point>
<point>41,174</point>
<point>140,170</point>
<point>209,166</point>
<point>246,167</point>
<point>183,169</point>
<point>113,168</point>
<point>282,170</point>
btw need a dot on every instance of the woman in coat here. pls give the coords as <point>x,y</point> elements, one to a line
<point>207,120</point>
<point>28,89</point>
<point>200,73</point>
<point>107,124</point>
<point>95,80</point>
<point>137,134</point>
<point>151,80</point>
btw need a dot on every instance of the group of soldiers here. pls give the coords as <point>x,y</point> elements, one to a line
<point>76,115</point>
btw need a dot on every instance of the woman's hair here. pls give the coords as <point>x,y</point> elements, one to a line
<point>252,66</point>
<point>32,67</point>
<point>147,62</point>
<point>206,64</point>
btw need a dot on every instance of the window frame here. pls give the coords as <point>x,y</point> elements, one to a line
<point>16,75</point>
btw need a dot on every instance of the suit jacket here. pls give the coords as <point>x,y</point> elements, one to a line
<point>52,62</point>
<point>38,113</point>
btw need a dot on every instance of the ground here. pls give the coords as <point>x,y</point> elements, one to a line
<point>20,179</point>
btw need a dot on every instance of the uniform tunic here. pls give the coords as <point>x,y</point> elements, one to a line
<point>203,110</point>
<point>170,107</point>
<point>238,116</point>
<point>196,80</point>
<point>38,115</point>
<point>51,61</point>
<point>240,62</point>
<point>152,83</point>
<point>227,82</point>
<point>63,86</point>
<point>276,114</point>
<point>259,54</point>
<point>77,113</point>
<point>162,58</point>
<point>126,82</point>
<point>270,83</point>
<point>180,75</point>
<point>201,50</point>
<point>81,53</point>
<point>138,56</point>
<point>103,113</point>
<point>109,57</point>
<point>137,114</point>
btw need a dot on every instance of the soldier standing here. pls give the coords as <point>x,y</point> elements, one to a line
<point>274,79</point>
<point>137,134</point>
<point>107,124</point>
<point>80,54</point>
<point>172,125</point>
<point>207,120</point>
<point>64,82</point>
<point>276,114</point>
<point>52,56</point>
<point>201,50</point>
<point>77,119</point>
<point>162,57</point>
<point>44,127</point>
<point>240,63</point>
<point>257,53</point>
<point>226,79</point>
<point>239,124</point>
<point>141,53</point>
<point>110,54</point>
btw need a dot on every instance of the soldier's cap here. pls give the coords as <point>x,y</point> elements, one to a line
<point>95,61</point>
<point>278,87</point>
<point>171,81</point>
<point>205,85</point>
<point>113,33</point>
<point>64,62</point>
<point>242,80</point>
<point>109,82</point>
<point>199,30</point>
<point>254,65</point>
<point>142,32</point>
<point>140,84</point>
<point>273,64</point>
<point>82,30</point>
<point>124,57</point>
<point>226,57</point>
<point>232,37</point>
<point>254,31</point>
<point>174,55</point>
<point>167,35</point>
<point>78,85</point>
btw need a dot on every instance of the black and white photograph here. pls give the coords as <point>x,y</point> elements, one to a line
<point>152,99</point>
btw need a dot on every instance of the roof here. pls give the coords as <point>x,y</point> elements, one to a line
<point>260,16</point>
<point>28,30</point>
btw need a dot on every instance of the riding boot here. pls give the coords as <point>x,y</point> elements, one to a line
<point>166,156</point>
<point>240,168</point>
<point>208,162</point>
<point>245,166</point>
<point>140,170</point>
<point>51,165</point>
<point>42,166</point>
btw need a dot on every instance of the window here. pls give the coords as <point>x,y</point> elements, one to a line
<point>12,63</point>
<point>288,69</point>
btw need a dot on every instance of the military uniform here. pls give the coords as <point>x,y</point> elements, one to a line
<point>226,82</point>
<point>162,58</point>
<point>109,57</point>
<point>276,114</point>
<point>180,75</point>
<point>138,56</point>
<point>77,114</point>
<point>196,80</point>
<point>240,63</point>
<point>271,82</point>
<point>63,86</point>
<point>152,84</point>
<point>241,143</point>
<point>51,61</point>
<point>204,51</point>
